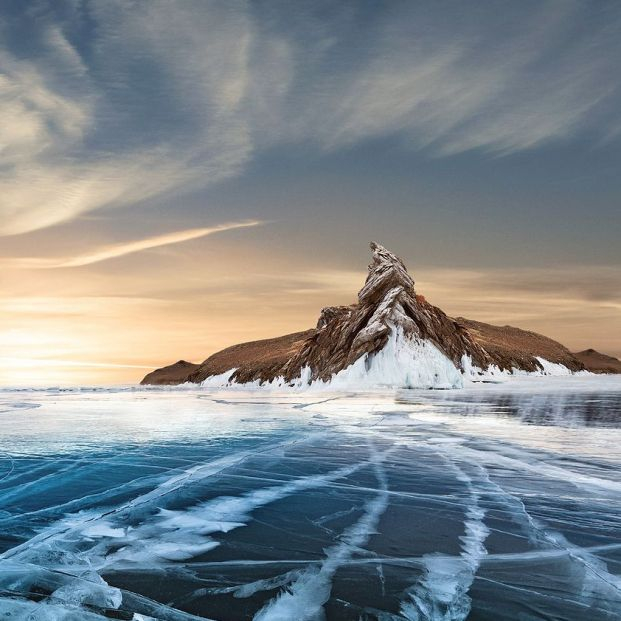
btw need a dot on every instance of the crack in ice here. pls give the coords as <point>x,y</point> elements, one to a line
<point>305,597</point>
<point>441,594</point>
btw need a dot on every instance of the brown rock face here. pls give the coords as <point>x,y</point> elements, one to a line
<point>258,360</point>
<point>387,303</point>
<point>512,348</point>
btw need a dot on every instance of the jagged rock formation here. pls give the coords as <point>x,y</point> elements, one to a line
<point>387,302</point>
<point>597,362</point>
<point>388,305</point>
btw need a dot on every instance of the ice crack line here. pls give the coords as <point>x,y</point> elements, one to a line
<point>305,597</point>
<point>596,576</point>
<point>597,581</point>
<point>442,591</point>
<point>84,547</point>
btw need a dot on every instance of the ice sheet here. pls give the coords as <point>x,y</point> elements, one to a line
<point>226,504</point>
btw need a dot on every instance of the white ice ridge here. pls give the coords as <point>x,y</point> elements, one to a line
<point>88,520</point>
<point>442,591</point>
<point>58,555</point>
<point>24,610</point>
<point>304,599</point>
<point>180,535</point>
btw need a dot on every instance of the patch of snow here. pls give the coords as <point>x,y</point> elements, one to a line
<point>218,381</point>
<point>552,368</point>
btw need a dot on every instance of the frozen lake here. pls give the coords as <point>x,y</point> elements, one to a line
<point>496,502</point>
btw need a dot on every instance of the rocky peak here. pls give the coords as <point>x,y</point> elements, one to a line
<point>386,303</point>
<point>330,313</point>
<point>386,272</point>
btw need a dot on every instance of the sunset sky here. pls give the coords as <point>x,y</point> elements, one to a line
<point>176,177</point>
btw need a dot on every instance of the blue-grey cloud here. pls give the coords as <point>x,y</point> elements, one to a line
<point>109,104</point>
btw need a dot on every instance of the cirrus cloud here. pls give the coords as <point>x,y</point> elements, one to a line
<point>116,104</point>
<point>114,251</point>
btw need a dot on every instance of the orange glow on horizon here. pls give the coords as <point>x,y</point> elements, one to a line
<point>110,326</point>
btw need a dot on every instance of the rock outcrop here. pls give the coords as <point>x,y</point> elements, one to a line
<point>388,305</point>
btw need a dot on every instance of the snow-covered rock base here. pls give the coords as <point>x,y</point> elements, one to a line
<point>473,374</point>
<point>404,362</point>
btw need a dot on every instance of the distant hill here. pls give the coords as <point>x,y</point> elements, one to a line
<point>176,373</point>
<point>596,362</point>
<point>514,347</point>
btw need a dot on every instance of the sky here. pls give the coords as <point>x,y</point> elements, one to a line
<point>177,177</point>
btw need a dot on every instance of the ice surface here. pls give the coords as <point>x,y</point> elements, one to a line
<point>442,591</point>
<point>305,597</point>
<point>491,502</point>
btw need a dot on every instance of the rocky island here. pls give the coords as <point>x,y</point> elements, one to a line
<point>391,336</point>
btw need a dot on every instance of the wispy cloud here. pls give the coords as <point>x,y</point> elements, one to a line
<point>473,80</point>
<point>181,95</point>
<point>79,138</point>
<point>114,251</point>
